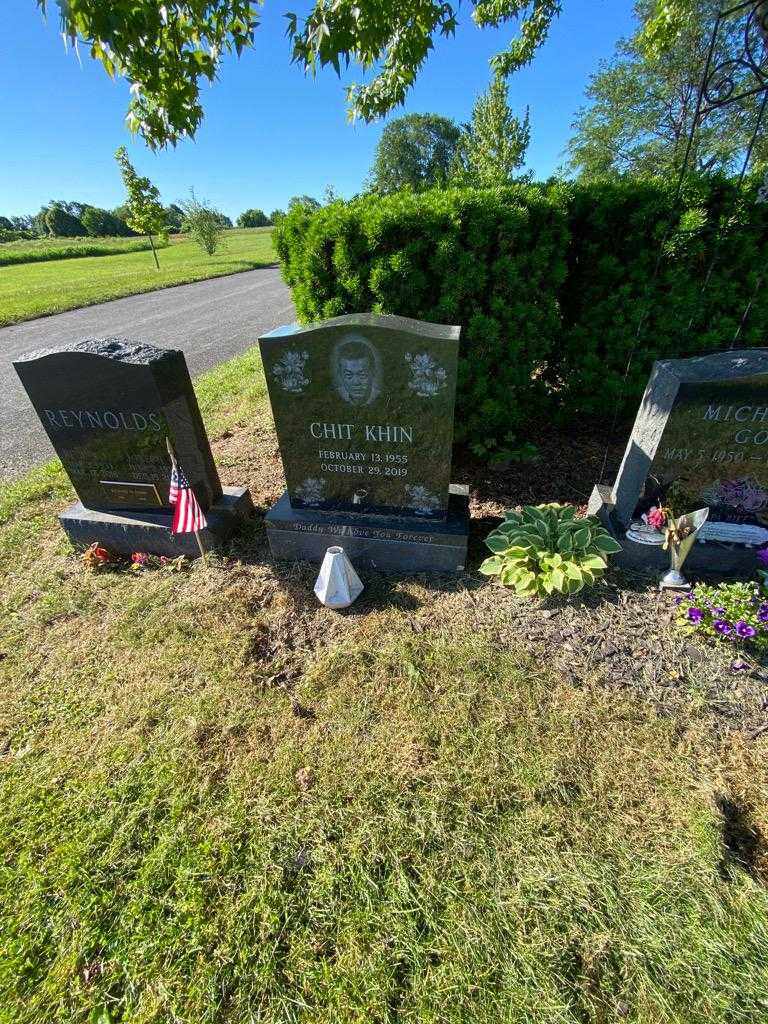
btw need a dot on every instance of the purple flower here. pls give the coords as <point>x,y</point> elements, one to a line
<point>721,626</point>
<point>678,600</point>
<point>762,555</point>
<point>739,665</point>
<point>762,613</point>
<point>695,614</point>
<point>744,630</point>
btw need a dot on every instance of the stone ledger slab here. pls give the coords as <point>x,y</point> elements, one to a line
<point>389,544</point>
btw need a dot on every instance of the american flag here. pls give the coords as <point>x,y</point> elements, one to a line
<point>188,517</point>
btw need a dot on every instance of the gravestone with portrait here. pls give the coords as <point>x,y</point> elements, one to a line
<point>111,407</point>
<point>701,436</point>
<point>363,408</point>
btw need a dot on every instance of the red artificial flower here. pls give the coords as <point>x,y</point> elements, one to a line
<point>656,518</point>
<point>139,558</point>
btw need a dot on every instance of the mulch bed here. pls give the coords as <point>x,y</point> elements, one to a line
<point>620,635</point>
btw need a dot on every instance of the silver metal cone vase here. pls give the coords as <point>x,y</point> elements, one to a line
<point>673,579</point>
<point>338,585</point>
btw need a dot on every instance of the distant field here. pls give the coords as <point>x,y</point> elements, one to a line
<point>35,250</point>
<point>30,290</point>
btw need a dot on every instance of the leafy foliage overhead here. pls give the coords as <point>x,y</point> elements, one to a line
<point>165,50</point>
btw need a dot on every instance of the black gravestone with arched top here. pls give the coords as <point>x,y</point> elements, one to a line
<point>364,407</point>
<point>111,407</point>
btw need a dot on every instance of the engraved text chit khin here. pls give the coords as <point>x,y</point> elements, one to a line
<point>363,408</point>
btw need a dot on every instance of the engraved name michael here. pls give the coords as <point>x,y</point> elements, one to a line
<point>384,433</point>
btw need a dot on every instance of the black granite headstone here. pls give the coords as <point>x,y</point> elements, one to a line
<point>110,407</point>
<point>363,407</point>
<point>700,438</point>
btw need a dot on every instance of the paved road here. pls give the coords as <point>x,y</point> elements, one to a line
<point>210,321</point>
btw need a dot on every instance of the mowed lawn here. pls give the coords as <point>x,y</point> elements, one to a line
<point>37,289</point>
<point>221,803</point>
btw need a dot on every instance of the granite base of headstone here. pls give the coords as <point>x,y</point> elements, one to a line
<point>363,407</point>
<point>150,532</point>
<point>390,544</point>
<point>702,432</point>
<point>111,408</point>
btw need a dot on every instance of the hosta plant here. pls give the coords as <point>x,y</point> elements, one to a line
<point>546,550</point>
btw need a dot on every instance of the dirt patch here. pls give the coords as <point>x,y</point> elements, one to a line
<point>621,635</point>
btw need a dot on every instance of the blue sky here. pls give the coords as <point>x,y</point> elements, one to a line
<point>269,132</point>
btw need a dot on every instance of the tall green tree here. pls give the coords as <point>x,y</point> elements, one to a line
<point>308,202</point>
<point>60,223</point>
<point>493,145</point>
<point>253,218</point>
<point>415,151</point>
<point>643,103</point>
<point>146,214</point>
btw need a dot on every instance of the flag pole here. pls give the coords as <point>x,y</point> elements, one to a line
<point>202,549</point>
<point>174,463</point>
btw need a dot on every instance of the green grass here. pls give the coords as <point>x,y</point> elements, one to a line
<point>436,832</point>
<point>37,289</point>
<point>40,249</point>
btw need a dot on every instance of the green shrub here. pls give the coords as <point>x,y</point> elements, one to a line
<point>619,232</point>
<point>549,284</point>
<point>545,549</point>
<point>490,261</point>
<point>100,223</point>
<point>253,219</point>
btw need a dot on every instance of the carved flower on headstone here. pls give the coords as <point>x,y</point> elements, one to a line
<point>311,491</point>
<point>427,376</point>
<point>289,373</point>
<point>422,501</point>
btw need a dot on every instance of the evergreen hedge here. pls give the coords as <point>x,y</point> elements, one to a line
<point>551,285</point>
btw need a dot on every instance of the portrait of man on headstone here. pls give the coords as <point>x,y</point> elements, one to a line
<point>356,370</point>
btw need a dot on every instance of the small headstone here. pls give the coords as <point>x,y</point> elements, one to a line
<point>363,407</point>
<point>702,433</point>
<point>110,407</point>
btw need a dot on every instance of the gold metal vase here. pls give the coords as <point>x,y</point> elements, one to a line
<point>673,579</point>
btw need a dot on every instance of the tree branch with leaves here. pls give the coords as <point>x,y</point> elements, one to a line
<point>166,51</point>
